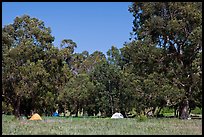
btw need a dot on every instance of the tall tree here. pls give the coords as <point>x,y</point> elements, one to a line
<point>32,68</point>
<point>76,93</point>
<point>176,27</point>
<point>23,43</point>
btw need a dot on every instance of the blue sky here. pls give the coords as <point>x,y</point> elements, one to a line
<point>92,25</point>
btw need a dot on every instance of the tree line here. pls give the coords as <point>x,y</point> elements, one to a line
<point>160,67</point>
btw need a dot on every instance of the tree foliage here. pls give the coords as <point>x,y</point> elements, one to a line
<point>160,67</point>
<point>175,27</point>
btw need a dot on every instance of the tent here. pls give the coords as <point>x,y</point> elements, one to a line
<point>35,117</point>
<point>55,114</point>
<point>117,115</point>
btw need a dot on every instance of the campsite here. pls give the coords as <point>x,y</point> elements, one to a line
<point>58,124</point>
<point>100,126</point>
<point>102,68</point>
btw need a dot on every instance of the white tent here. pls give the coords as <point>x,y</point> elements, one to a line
<point>117,115</point>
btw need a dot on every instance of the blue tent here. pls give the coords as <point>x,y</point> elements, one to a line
<point>55,114</point>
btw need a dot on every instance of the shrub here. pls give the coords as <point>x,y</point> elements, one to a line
<point>6,108</point>
<point>167,110</point>
<point>197,110</point>
<point>142,118</point>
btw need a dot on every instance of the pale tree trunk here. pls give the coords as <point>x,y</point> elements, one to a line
<point>112,107</point>
<point>176,110</point>
<point>184,109</point>
<point>111,99</point>
<point>184,106</point>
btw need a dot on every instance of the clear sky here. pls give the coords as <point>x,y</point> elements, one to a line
<point>92,25</point>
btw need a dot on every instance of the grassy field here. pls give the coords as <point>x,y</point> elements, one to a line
<point>100,126</point>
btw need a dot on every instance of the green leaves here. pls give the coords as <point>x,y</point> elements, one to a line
<point>77,92</point>
<point>176,28</point>
<point>70,45</point>
<point>161,67</point>
<point>31,65</point>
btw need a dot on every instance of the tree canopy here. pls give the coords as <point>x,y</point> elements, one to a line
<point>160,67</point>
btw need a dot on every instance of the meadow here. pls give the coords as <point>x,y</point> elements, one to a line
<point>100,126</point>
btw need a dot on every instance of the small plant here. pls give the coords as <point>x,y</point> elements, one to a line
<point>142,118</point>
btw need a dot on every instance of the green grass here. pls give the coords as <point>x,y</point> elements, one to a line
<point>100,126</point>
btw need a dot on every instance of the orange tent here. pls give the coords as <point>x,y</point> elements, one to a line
<point>35,117</point>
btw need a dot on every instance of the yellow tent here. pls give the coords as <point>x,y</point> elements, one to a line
<point>35,117</point>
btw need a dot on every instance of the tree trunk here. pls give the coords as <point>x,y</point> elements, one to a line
<point>112,107</point>
<point>65,107</point>
<point>189,112</point>
<point>17,108</point>
<point>176,111</point>
<point>76,111</point>
<point>76,114</point>
<point>183,110</point>
<point>159,112</point>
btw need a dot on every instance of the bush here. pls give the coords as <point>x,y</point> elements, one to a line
<point>7,108</point>
<point>142,118</point>
<point>167,110</point>
<point>197,110</point>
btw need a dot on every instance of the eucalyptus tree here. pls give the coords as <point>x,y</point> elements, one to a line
<point>175,27</point>
<point>32,68</point>
<point>76,94</point>
<point>81,65</point>
<point>23,44</point>
<point>143,66</point>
